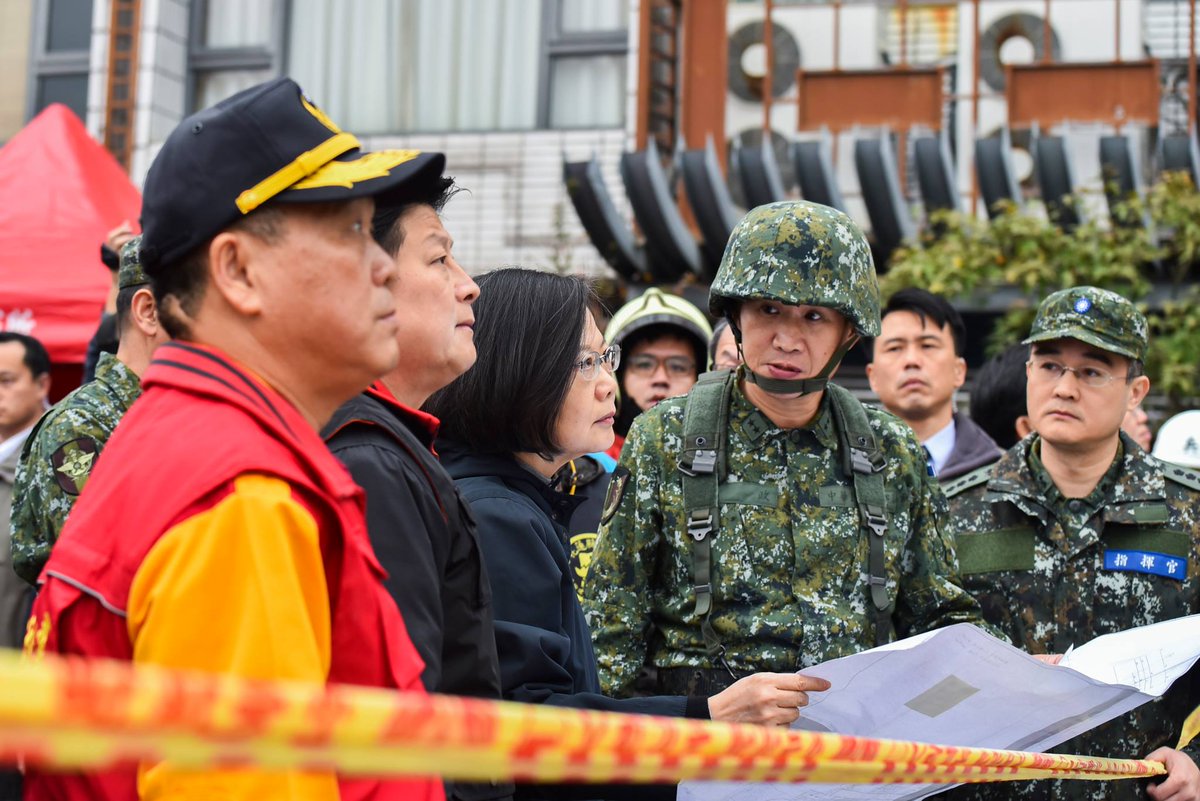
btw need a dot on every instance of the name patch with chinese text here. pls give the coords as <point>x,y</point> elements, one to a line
<point>1158,564</point>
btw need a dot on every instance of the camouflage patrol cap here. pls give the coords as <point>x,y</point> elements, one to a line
<point>1095,316</point>
<point>800,253</point>
<point>130,273</point>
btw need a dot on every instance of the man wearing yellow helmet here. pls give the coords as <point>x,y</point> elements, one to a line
<point>664,344</point>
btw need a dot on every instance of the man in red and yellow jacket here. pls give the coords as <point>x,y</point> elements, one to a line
<point>218,533</point>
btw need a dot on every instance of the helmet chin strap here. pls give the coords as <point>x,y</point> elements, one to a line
<point>802,386</point>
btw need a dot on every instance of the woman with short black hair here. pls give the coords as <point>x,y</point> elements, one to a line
<point>541,393</point>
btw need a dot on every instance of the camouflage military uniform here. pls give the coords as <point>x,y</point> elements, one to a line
<point>63,447</point>
<point>788,559</point>
<point>788,555</point>
<point>59,456</point>
<point>1053,573</point>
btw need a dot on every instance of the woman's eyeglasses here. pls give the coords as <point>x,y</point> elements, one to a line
<point>589,365</point>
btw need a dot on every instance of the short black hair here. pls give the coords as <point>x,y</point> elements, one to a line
<point>186,279</point>
<point>125,307</point>
<point>36,358</point>
<point>927,306</point>
<point>389,209</point>
<point>528,330</point>
<point>998,394</point>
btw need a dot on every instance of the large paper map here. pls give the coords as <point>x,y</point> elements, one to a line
<point>961,686</point>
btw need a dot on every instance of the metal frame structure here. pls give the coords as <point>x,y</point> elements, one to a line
<point>1119,91</point>
<point>121,91</point>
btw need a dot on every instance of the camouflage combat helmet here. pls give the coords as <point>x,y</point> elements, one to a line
<point>131,273</point>
<point>1098,317</point>
<point>800,253</point>
<point>655,307</point>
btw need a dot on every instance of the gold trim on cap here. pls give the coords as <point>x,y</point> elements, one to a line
<point>301,167</point>
<point>348,173</point>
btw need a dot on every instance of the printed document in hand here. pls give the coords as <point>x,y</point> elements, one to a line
<point>961,686</point>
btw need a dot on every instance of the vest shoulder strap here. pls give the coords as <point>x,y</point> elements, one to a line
<point>863,461</point>
<point>701,467</point>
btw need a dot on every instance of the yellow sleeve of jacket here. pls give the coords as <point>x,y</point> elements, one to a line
<point>237,588</point>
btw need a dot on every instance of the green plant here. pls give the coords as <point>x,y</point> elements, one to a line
<point>1174,358</point>
<point>1174,206</point>
<point>970,259</point>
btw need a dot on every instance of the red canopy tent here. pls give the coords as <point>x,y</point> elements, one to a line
<point>60,194</point>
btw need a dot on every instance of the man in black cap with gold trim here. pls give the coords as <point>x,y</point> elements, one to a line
<point>218,533</point>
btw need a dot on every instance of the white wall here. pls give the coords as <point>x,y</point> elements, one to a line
<point>515,191</point>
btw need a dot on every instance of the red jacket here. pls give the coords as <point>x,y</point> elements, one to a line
<point>202,422</point>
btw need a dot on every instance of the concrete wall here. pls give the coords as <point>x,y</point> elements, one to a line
<point>16,29</point>
<point>516,210</point>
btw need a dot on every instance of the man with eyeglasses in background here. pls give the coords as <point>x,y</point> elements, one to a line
<point>1076,532</point>
<point>664,348</point>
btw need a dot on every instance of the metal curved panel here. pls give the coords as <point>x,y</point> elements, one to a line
<point>993,168</point>
<point>606,229</point>
<point>671,249</point>
<point>762,182</point>
<point>711,204</point>
<point>813,164</point>
<point>1053,168</point>
<point>935,174</point>
<point>1179,152</point>
<point>891,222</point>
<point>1122,177</point>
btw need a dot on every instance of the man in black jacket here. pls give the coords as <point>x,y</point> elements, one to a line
<point>420,528</point>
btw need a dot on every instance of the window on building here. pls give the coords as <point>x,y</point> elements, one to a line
<point>383,66</point>
<point>234,45</point>
<point>586,69</point>
<point>62,42</point>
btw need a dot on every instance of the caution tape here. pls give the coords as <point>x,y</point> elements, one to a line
<point>93,714</point>
<point>1191,727</point>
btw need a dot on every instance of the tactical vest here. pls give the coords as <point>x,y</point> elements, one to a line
<point>209,421</point>
<point>703,468</point>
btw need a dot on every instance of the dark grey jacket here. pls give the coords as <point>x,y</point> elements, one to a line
<point>973,448</point>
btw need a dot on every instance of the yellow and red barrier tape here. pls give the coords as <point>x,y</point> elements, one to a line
<point>81,714</point>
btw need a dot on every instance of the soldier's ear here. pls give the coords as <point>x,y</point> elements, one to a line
<point>144,312</point>
<point>1023,426</point>
<point>1138,389</point>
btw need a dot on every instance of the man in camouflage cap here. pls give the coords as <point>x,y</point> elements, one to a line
<point>769,521</point>
<point>60,453</point>
<point>1076,532</point>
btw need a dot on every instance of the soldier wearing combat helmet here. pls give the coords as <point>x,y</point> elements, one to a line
<point>768,521</point>
<point>1076,532</point>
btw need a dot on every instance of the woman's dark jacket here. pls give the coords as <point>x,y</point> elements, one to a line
<point>542,638</point>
